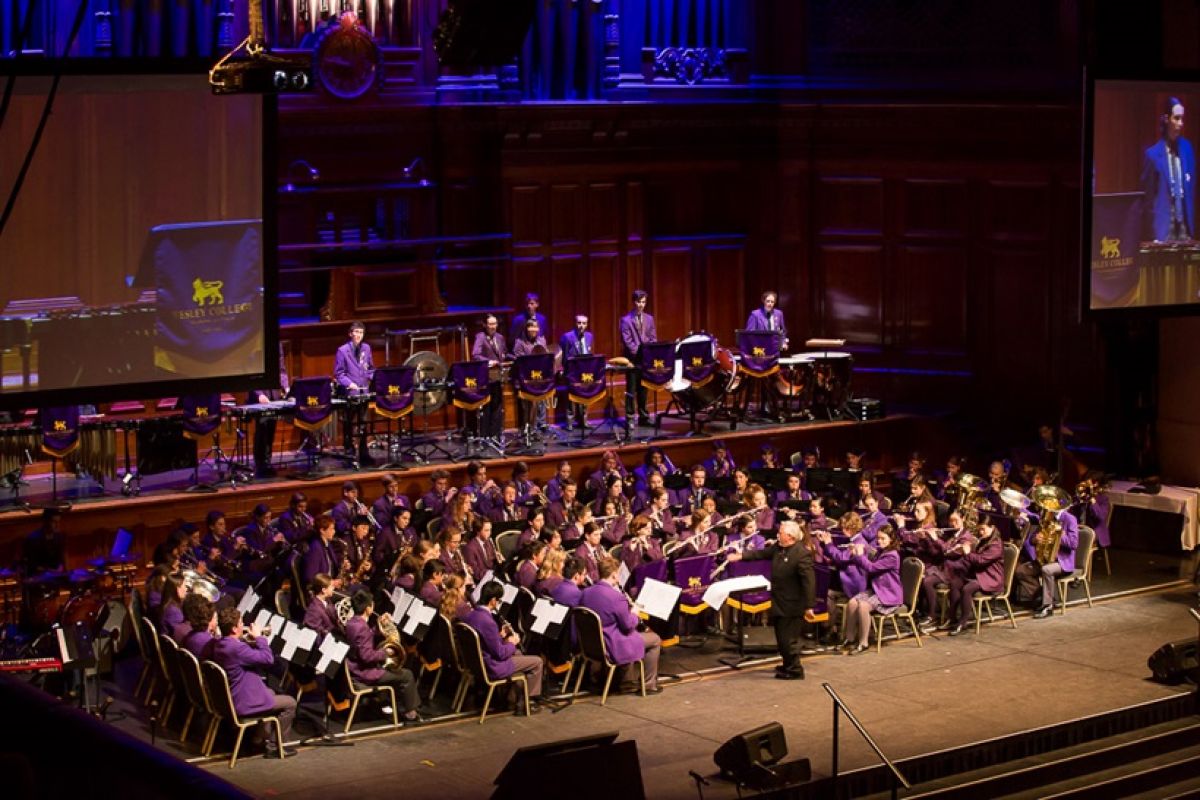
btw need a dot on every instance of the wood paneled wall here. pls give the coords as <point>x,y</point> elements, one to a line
<point>940,240</point>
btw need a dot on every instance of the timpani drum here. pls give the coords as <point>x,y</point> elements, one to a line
<point>831,380</point>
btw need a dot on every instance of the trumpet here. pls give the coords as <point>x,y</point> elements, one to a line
<point>360,509</point>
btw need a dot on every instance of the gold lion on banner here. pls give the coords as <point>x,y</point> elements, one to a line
<point>207,291</point>
<point>1110,248</point>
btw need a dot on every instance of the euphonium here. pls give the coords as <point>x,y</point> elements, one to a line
<point>391,642</point>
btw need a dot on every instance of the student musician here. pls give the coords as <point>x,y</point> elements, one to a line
<point>489,346</point>
<point>655,461</point>
<point>659,514</point>
<point>570,592</point>
<point>374,666</point>
<point>239,657</point>
<point>974,566</point>
<point>559,514</point>
<point>549,573</point>
<point>641,547</point>
<point>296,524</point>
<point>720,463</point>
<point>591,550</point>
<point>554,486</point>
<point>440,493</point>
<point>535,523</point>
<point>941,558</point>
<point>689,498</point>
<point>450,541</point>
<point>432,576</point>
<point>614,525</point>
<point>501,657</point>
<point>529,561</point>
<point>480,553</point>
<point>698,539</point>
<point>884,592</point>
<point>454,605</point>
<point>395,538</point>
<point>508,509</point>
<point>625,643</point>
<point>201,617</point>
<point>321,615</point>
<point>353,370</point>
<point>383,507</point>
<point>321,557</point>
<point>1039,580</point>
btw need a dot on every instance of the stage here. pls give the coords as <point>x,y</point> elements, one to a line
<point>952,691</point>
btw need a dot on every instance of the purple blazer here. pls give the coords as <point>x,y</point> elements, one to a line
<point>765,519</point>
<point>556,515</point>
<point>198,643</point>
<point>364,660</point>
<point>883,572</point>
<point>430,593</point>
<point>704,544</point>
<point>480,556</point>
<point>591,560</point>
<point>455,563</point>
<point>433,502</point>
<point>294,527</point>
<point>633,556</point>
<point>524,347</point>
<point>503,513</point>
<point>497,653</point>
<point>1066,545</point>
<point>784,496</point>
<point>527,574</point>
<point>986,564</point>
<point>722,470</point>
<point>348,369</point>
<point>572,345</point>
<point>382,508</point>
<point>853,577</point>
<point>342,514</point>
<point>172,616</point>
<point>553,490</point>
<point>567,594</point>
<point>758,321</point>
<point>621,637</point>
<point>319,557</point>
<point>485,349</point>
<point>250,692</point>
<point>546,586</point>
<point>634,336</point>
<point>321,616</point>
<point>689,498</point>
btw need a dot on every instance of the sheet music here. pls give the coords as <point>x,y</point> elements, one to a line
<point>277,623</point>
<point>658,599</point>
<point>263,620</point>
<point>332,652</point>
<point>401,600</point>
<point>249,601</point>
<point>510,594</point>
<point>487,576</point>
<point>716,594</point>
<point>291,636</point>
<point>545,612</point>
<point>418,614</point>
<point>623,574</point>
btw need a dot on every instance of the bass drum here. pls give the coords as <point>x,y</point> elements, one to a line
<point>83,608</point>
<point>725,379</point>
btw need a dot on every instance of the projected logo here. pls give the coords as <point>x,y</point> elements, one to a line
<point>1110,247</point>
<point>207,293</point>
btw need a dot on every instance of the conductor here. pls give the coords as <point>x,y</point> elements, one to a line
<point>793,589</point>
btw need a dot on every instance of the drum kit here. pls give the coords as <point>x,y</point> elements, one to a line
<point>806,386</point>
<point>59,596</point>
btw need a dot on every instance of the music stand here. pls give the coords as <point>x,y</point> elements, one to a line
<point>583,389</point>
<point>470,393</point>
<point>313,413</point>
<point>393,388</point>
<point>534,382</point>
<point>759,360</point>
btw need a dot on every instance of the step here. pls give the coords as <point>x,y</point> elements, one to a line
<point>1124,780</point>
<point>1018,775</point>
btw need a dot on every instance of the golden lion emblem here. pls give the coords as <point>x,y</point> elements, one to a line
<point>207,292</point>
<point>1109,247</point>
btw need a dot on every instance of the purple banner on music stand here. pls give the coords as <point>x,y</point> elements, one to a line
<point>393,390</point>
<point>201,414</point>
<point>760,352</point>
<point>693,576</point>
<point>697,359</point>
<point>534,376</point>
<point>657,365</point>
<point>60,430</point>
<point>751,602</point>
<point>314,402</point>
<point>653,569</point>
<point>470,381</point>
<point>585,379</point>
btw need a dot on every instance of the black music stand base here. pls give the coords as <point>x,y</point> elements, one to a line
<point>744,658</point>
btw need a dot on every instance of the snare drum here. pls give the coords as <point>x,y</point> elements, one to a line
<point>725,378</point>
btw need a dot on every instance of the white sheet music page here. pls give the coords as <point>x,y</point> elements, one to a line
<point>249,601</point>
<point>658,599</point>
<point>716,594</point>
<point>418,614</point>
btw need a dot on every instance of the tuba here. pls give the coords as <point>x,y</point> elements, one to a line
<point>1050,500</point>
<point>970,492</point>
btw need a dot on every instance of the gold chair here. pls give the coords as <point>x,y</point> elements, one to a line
<point>590,633</point>
<point>471,651</point>
<point>216,680</point>
<point>357,693</point>
<point>912,570</point>
<point>1011,556</point>
<point>1084,555</point>
<point>197,695</point>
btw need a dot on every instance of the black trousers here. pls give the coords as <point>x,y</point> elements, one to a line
<point>788,633</point>
<point>635,393</point>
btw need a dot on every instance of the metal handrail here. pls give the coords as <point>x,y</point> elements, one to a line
<point>839,704</point>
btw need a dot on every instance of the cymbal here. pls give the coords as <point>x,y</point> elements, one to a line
<point>1014,499</point>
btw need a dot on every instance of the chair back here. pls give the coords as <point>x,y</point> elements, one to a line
<point>170,656</point>
<point>433,528</point>
<point>283,602</point>
<point>1085,551</point>
<point>520,613</point>
<point>135,621</point>
<point>590,632</point>
<point>150,637</point>
<point>616,550</point>
<point>216,682</point>
<point>470,649</point>
<point>506,544</point>
<point>438,643</point>
<point>193,680</point>
<point>298,585</point>
<point>912,570</point>
<point>1012,555</point>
